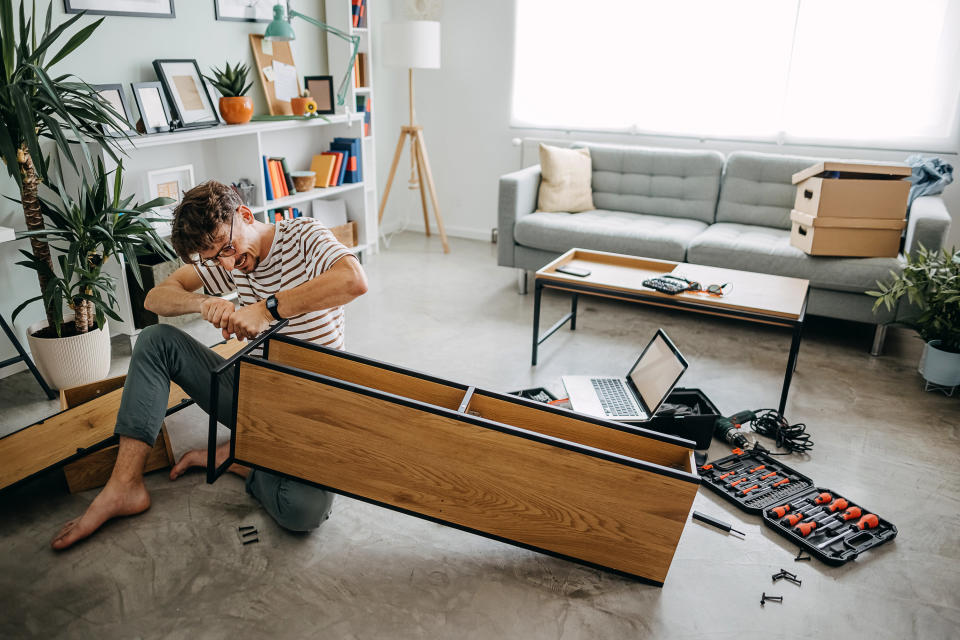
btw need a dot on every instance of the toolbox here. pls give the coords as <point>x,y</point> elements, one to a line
<point>697,426</point>
<point>789,502</point>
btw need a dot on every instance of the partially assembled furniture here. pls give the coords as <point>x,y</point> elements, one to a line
<point>753,297</point>
<point>601,493</point>
<point>702,208</point>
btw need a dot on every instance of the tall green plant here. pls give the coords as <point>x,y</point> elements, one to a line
<point>97,226</point>
<point>35,105</point>
<point>931,282</point>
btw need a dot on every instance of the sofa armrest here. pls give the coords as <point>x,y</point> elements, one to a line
<point>518,197</point>
<point>929,223</point>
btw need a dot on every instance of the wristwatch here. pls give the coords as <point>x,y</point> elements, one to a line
<point>272,307</point>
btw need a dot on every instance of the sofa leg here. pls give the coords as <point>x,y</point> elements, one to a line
<point>879,337</point>
<point>522,281</point>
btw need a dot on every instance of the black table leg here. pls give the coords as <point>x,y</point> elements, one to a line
<point>573,312</point>
<point>791,365</point>
<point>537,292</point>
<point>26,358</point>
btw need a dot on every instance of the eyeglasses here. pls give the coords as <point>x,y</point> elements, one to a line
<point>694,287</point>
<point>227,250</point>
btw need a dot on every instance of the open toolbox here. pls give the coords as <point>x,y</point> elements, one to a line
<point>826,524</point>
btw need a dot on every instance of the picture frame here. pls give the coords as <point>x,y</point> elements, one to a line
<point>321,90</point>
<point>171,182</point>
<point>130,8</point>
<point>190,103</point>
<point>152,104</point>
<point>214,98</point>
<point>114,94</point>
<point>244,10</point>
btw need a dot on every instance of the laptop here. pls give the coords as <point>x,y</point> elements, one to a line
<point>637,396</point>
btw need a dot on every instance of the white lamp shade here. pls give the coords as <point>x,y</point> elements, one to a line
<point>413,44</point>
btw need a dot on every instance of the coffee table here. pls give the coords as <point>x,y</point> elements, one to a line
<point>753,297</point>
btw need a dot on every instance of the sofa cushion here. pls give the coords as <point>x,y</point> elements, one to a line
<point>660,182</point>
<point>565,178</point>
<point>616,231</point>
<point>767,250</point>
<point>758,188</point>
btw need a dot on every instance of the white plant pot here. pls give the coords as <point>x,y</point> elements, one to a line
<point>940,367</point>
<point>71,361</point>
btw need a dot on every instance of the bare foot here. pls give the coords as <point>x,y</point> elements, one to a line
<point>116,499</point>
<point>198,458</point>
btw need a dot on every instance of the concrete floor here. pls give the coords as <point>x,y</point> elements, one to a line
<point>179,570</point>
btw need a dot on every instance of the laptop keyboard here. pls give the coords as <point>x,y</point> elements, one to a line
<point>614,398</point>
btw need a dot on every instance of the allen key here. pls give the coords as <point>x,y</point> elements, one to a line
<point>249,533</point>
<point>764,598</point>
<point>251,541</point>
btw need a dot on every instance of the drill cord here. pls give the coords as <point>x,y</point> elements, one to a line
<point>792,437</point>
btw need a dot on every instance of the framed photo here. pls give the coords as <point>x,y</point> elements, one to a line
<point>138,8</point>
<point>321,90</point>
<point>190,104</point>
<point>113,94</point>
<point>244,10</point>
<point>152,105</point>
<point>167,183</point>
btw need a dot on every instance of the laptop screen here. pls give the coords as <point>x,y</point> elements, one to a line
<point>657,371</point>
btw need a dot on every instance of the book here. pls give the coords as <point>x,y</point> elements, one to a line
<point>335,176</point>
<point>287,178</point>
<point>323,166</point>
<point>266,179</point>
<point>355,12</point>
<point>279,184</point>
<point>353,147</point>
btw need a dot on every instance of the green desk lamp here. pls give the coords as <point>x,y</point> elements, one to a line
<point>279,29</point>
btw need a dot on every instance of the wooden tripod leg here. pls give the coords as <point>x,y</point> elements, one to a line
<point>425,163</point>
<point>393,170</point>
<point>414,145</point>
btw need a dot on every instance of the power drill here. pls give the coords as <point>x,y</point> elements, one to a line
<point>726,428</point>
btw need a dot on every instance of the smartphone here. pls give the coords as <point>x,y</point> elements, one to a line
<point>573,271</point>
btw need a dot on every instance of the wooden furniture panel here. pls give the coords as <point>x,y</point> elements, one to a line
<point>552,495</point>
<point>646,447</point>
<point>309,358</point>
<point>58,438</point>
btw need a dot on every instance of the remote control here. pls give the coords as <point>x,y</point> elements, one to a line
<point>666,285</point>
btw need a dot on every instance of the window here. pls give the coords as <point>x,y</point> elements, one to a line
<point>857,72</point>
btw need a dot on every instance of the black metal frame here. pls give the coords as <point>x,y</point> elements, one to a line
<point>103,12</point>
<point>575,289</point>
<point>329,80</point>
<point>25,357</point>
<point>127,111</point>
<point>158,86</point>
<point>177,117</point>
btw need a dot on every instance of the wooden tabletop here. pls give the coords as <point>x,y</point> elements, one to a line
<point>747,291</point>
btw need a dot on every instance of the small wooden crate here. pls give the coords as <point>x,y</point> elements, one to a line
<point>601,493</point>
<point>346,233</point>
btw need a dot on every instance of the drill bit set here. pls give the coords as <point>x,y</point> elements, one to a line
<point>829,526</point>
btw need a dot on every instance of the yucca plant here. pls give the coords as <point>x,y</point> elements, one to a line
<point>87,232</point>
<point>34,106</point>
<point>231,83</point>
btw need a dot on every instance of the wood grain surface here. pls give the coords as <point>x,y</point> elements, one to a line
<point>50,442</point>
<point>533,493</point>
<point>401,384</point>
<point>776,296</point>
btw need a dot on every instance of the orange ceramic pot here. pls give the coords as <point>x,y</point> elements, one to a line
<point>236,110</point>
<point>303,106</point>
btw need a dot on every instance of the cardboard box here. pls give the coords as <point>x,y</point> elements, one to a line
<point>851,237</point>
<point>346,233</point>
<point>852,190</point>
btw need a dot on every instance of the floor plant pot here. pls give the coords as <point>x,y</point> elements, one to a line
<point>940,367</point>
<point>237,109</point>
<point>73,360</point>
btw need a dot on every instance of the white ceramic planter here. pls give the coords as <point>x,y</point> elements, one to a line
<point>75,360</point>
<point>939,366</point>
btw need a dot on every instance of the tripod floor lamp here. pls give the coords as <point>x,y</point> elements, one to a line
<point>414,45</point>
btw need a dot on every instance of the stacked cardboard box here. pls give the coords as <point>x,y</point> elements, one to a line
<point>850,209</point>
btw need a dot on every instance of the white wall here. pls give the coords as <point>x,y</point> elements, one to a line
<point>465,110</point>
<point>121,50</point>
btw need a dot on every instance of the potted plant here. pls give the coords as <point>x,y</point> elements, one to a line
<point>35,105</point>
<point>931,282</point>
<point>236,107</point>
<point>303,105</point>
<point>86,233</point>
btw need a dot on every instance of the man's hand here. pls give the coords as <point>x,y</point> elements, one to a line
<point>217,311</point>
<point>248,322</point>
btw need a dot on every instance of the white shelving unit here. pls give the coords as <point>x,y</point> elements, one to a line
<point>229,153</point>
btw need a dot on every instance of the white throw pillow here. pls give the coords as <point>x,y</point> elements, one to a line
<point>565,178</point>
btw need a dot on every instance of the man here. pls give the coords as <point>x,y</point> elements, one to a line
<point>296,270</point>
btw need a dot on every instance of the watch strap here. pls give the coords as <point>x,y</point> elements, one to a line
<point>272,307</point>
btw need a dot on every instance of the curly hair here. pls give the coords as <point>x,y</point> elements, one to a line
<point>199,216</point>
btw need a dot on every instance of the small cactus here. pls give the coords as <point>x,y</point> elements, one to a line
<point>230,82</point>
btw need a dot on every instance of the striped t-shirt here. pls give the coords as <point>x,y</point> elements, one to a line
<point>302,249</point>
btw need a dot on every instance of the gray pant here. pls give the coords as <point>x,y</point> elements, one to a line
<point>164,353</point>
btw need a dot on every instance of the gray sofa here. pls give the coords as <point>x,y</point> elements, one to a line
<point>697,207</point>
